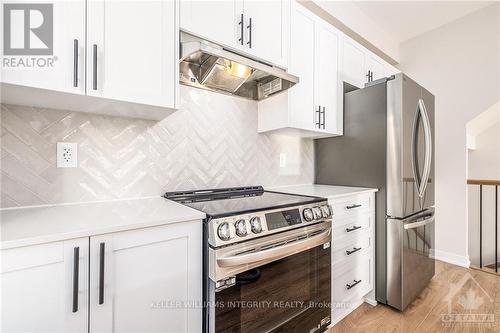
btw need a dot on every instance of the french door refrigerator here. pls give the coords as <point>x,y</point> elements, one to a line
<point>388,144</point>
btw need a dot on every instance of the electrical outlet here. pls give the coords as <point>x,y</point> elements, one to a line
<point>282,160</point>
<point>67,155</point>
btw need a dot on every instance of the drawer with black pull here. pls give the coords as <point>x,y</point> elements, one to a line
<point>353,225</point>
<point>352,281</point>
<point>352,248</point>
<point>353,205</point>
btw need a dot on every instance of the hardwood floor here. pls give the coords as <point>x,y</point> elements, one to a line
<point>474,306</point>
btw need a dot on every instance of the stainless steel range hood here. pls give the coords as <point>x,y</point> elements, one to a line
<point>209,66</point>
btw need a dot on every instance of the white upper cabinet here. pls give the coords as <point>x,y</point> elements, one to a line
<point>45,287</point>
<point>112,57</point>
<point>264,29</point>
<point>353,63</point>
<point>217,21</point>
<point>311,108</point>
<point>327,88</point>
<point>391,70</point>
<point>301,63</point>
<point>258,28</point>
<point>61,69</point>
<point>359,65</point>
<point>374,67</point>
<point>130,51</point>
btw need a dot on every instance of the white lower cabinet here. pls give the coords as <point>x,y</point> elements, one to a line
<point>353,253</point>
<point>40,290</point>
<point>150,277</point>
<point>352,281</point>
<point>144,280</point>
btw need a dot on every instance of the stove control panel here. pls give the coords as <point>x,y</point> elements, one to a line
<point>233,229</point>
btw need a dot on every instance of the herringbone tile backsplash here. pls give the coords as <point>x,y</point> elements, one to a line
<point>212,141</point>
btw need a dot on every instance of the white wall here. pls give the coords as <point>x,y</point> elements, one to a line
<point>460,64</point>
<point>484,160</point>
<point>483,163</point>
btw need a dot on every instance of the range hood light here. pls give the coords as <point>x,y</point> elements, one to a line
<point>210,66</point>
<point>238,70</point>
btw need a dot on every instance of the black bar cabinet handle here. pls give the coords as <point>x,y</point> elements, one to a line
<point>249,32</point>
<point>101,273</point>
<point>356,227</point>
<point>353,206</point>
<point>76,271</point>
<point>94,68</point>
<point>241,24</point>
<point>318,111</point>
<point>324,117</point>
<point>75,63</point>
<point>354,250</point>
<point>356,282</point>
<point>368,76</point>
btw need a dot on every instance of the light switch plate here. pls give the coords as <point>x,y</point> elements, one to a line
<point>67,155</point>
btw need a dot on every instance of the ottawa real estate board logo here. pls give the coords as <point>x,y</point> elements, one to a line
<point>28,36</point>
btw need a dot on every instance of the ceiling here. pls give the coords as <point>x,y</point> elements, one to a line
<point>407,19</point>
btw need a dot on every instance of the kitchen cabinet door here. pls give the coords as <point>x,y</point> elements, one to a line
<point>131,51</point>
<point>375,66</point>
<point>326,90</point>
<point>144,280</point>
<point>63,69</point>
<point>391,70</point>
<point>301,63</point>
<point>264,29</point>
<point>45,287</point>
<point>353,63</point>
<point>217,21</point>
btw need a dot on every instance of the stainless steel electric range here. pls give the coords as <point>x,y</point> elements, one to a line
<point>266,260</point>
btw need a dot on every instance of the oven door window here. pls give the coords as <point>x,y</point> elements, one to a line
<point>288,295</point>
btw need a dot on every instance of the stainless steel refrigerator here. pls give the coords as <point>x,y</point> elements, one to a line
<point>388,144</point>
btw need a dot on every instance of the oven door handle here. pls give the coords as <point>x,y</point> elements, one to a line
<point>276,252</point>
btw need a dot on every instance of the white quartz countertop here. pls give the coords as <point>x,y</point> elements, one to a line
<point>324,191</point>
<point>42,224</point>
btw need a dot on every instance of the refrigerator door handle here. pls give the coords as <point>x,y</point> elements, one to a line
<point>419,223</point>
<point>421,179</point>
<point>428,145</point>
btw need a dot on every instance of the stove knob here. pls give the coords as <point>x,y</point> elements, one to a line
<point>317,213</point>
<point>308,214</point>
<point>241,228</point>
<point>325,211</point>
<point>256,225</point>
<point>223,231</point>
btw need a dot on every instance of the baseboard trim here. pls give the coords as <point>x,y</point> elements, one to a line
<point>450,258</point>
<point>341,314</point>
<point>370,301</point>
<point>338,316</point>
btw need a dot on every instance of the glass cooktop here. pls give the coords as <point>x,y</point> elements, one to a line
<point>235,201</point>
